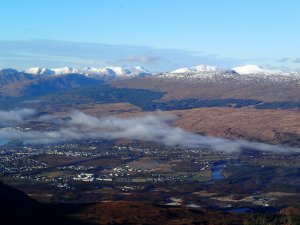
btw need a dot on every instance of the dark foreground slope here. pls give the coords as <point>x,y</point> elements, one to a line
<point>141,213</point>
<point>17,208</point>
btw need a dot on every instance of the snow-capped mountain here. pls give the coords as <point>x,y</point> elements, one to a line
<point>97,72</point>
<point>195,69</point>
<point>46,71</point>
<point>115,71</point>
<point>92,72</point>
<point>254,69</point>
<point>139,71</point>
<point>202,81</point>
<point>242,74</point>
<point>200,72</point>
<point>64,70</point>
<point>119,71</point>
<point>106,72</point>
<point>39,71</point>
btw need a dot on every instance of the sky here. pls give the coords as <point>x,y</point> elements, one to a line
<point>157,34</point>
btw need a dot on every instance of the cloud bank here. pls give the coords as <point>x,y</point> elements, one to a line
<point>15,116</point>
<point>152,128</point>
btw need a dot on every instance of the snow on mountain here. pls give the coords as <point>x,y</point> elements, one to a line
<point>139,71</point>
<point>98,72</point>
<point>39,71</point>
<point>64,70</point>
<point>242,74</point>
<point>92,72</point>
<point>46,71</point>
<point>195,69</point>
<point>182,70</point>
<point>254,69</point>
<point>111,72</point>
<point>200,72</point>
<point>205,68</point>
<point>119,71</point>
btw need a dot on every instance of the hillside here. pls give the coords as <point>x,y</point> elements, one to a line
<point>17,208</point>
<point>273,126</point>
<point>219,88</point>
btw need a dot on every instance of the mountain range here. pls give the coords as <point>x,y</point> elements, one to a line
<point>239,74</point>
<point>90,71</point>
<point>242,74</point>
<point>199,82</point>
<point>140,71</point>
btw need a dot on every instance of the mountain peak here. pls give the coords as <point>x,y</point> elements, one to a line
<point>39,71</point>
<point>195,69</point>
<point>114,71</point>
<point>254,69</point>
<point>205,68</point>
<point>65,70</point>
<point>119,71</point>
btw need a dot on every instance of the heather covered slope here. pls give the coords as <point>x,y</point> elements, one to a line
<point>267,125</point>
<point>217,87</point>
<point>143,213</point>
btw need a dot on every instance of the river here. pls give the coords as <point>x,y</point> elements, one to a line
<point>217,175</point>
<point>216,171</point>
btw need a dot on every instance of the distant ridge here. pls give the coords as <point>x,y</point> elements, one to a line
<point>91,71</point>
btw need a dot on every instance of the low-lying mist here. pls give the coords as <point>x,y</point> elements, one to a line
<point>152,128</point>
<point>14,116</point>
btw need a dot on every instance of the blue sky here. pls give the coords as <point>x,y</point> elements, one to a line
<point>162,34</point>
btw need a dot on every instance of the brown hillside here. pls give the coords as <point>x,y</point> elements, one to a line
<point>270,125</point>
<point>17,208</point>
<point>227,88</point>
<point>142,213</point>
<point>276,126</point>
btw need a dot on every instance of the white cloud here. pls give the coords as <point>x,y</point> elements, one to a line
<point>152,128</point>
<point>15,116</point>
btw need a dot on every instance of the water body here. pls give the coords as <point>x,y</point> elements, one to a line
<point>216,171</point>
<point>249,210</point>
<point>239,210</point>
